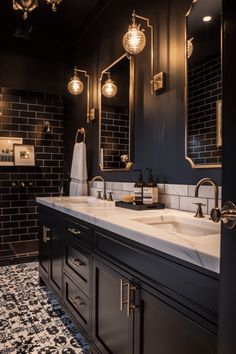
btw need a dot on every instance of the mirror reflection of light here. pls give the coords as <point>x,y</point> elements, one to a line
<point>207,18</point>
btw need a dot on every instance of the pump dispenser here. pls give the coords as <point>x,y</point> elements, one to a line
<point>150,191</point>
<point>138,189</point>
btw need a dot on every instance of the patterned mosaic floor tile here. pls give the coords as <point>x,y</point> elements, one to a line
<point>31,319</point>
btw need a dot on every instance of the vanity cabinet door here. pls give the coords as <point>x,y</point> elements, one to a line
<point>112,330</point>
<point>56,250</point>
<point>44,250</point>
<point>162,329</point>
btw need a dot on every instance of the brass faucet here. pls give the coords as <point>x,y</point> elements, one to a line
<point>100,178</point>
<point>212,183</point>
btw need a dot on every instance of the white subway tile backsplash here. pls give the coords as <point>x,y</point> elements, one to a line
<point>188,204</point>
<point>176,189</point>
<point>175,196</point>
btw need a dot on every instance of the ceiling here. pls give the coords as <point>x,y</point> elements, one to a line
<point>45,27</point>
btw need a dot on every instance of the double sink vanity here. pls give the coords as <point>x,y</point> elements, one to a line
<point>132,281</point>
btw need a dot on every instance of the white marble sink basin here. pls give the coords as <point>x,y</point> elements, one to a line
<point>182,225</point>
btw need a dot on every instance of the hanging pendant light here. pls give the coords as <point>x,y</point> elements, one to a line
<point>75,86</point>
<point>134,40</point>
<point>26,6</point>
<point>109,89</point>
<point>54,4</point>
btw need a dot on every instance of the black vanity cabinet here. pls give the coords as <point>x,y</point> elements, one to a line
<point>51,247</point>
<point>112,326</point>
<point>124,297</point>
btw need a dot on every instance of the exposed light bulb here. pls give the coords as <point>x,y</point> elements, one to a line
<point>75,86</point>
<point>207,18</point>
<point>189,47</point>
<point>134,40</point>
<point>109,89</point>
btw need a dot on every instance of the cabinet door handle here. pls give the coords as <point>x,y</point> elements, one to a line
<point>74,231</point>
<point>75,263</point>
<point>46,231</point>
<point>76,301</point>
<point>130,304</point>
<point>122,302</point>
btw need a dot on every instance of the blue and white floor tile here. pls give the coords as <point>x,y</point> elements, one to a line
<point>31,319</point>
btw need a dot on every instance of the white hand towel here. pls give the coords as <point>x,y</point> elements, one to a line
<point>78,188</point>
<point>79,173</point>
<point>79,163</point>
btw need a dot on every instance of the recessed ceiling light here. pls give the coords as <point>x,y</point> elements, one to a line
<point>207,18</point>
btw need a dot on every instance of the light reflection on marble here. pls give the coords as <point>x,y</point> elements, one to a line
<point>202,251</point>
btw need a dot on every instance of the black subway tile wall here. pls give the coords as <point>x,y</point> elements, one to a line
<point>23,115</point>
<point>114,136</point>
<point>204,87</point>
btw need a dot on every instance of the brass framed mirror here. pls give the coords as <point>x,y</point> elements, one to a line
<point>116,115</point>
<point>203,84</point>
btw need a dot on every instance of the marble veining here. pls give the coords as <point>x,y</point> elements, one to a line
<point>31,319</point>
<point>203,251</point>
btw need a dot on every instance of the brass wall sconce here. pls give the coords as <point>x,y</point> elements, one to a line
<point>47,126</point>
<point>54,4</point>
<point>76,86</point>
<point>109,88</point>
<point>26,6</point>
<point>134,42</point>
<point>29,5</point>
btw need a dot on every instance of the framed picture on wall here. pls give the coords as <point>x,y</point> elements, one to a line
<point>7,150</point>
<point>24,155</point>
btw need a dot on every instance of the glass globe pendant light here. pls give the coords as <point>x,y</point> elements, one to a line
<point>189,47</point>
<point>134,40</point>
<point>109,89</point>
<point>26,6</point>
<point>75,85</point>
<point>54,4</point>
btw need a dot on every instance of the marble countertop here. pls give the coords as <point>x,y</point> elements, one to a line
<point>203,251</point>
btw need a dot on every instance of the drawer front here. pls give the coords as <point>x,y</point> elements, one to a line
<point>77,265</point>
<point>78,232</point>
<point>77,302</point>
<point>195,288</point>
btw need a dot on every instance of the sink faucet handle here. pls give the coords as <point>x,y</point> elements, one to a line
<point>199,212</point>
<point>99,196</point>
<point>110,198</point>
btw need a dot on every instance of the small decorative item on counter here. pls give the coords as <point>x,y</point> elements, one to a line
<point>138,189</point>
<point>128,198</point>
<point>150,191</point>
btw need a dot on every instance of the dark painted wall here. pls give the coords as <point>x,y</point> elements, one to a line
<point>159,119</point>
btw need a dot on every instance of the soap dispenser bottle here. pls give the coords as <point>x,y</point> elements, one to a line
<point>150,191</point>
<point>138,189</point>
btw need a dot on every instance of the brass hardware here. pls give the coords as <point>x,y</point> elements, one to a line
<point>110,198</point>
<point>130,306</point>
<point>91,113</point>
<point>78,303</point>
<point>46,231</point>
<point>75,263</point>
<point>212,183</point>
<point>122,286</point>
<point>100,178</point>
<point>159,82</point>
<point>74,231</point>
<point>99,196</point>
<point>227,215</point>
<point>199,212</point>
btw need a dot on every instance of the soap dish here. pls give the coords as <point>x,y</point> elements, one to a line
<point>133,206</point>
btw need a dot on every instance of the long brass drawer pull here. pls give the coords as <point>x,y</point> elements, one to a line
<point>75,263</point>
<point>74,231</point>
<point>46,234</point>
<point>76,301</point>
<point>122,286</point>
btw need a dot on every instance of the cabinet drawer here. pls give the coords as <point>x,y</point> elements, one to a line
<point>77,302</point>
<point>77,265</point>
<point>78,232</point>
<point>188,284</point>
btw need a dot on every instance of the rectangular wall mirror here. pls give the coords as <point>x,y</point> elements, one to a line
<point>116,115</point>
<point>203,84</point>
